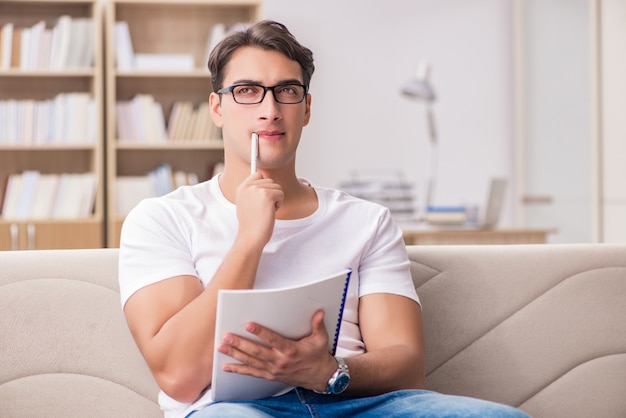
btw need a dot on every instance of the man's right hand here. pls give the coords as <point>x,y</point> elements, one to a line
<point>257,201</point>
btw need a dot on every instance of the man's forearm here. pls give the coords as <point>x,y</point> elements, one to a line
<point>385,370</point>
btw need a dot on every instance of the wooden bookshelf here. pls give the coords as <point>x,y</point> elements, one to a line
<point>43,83</point>
<point>162,27</point>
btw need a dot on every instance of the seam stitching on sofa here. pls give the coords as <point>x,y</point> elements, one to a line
<point>434,270</point>
<point>553,381</point>
<point>79,374</point>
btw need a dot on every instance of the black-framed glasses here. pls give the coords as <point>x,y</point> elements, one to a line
<point>255,93</point>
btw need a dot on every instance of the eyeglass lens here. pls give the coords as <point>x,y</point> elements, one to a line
<point>251,93</point>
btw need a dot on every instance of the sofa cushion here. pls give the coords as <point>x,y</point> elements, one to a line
<point>65,346</point>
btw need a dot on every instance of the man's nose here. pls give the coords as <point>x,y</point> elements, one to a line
<point>270,108</point>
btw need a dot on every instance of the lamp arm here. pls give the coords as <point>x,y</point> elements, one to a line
<point>432,130</point>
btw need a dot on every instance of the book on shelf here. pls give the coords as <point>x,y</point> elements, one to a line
<point>32,45</point>
<point>203,127</point>
<point>16,47</point>
<point>179,120</point>
<point>45,195</point>
<point>192,178</point>
<point>68,201</point>
<point>6,42</point>
<point>60,47</point>
<point>158,120</point>
<point>11,196</point>
<point>140,120</point>
<point>124,125</point>
<point>89,186</point>
<point>26,119</point>
<point>130,190</point>
<point>144,118</point>
<point>24,46</point>
<point>182,178</point>
<point>124,53</point>
<point>42,121</point>
<point>75,196</point>
<point>76,117</point>
<point>68,118</point>
<point>162,179</point>
<point>81,43</point>
<point>288,311</point>
<point>33,195</point>
<point>127,59</point>
<point>174,120</point>
<point>191,122</point>
<point>218,31</point>
<point>163,62</point>
<point>26,196</point>
<point>190,125</point>
<point>69,44</point>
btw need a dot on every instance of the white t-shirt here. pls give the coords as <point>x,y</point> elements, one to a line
<point>189,232</point>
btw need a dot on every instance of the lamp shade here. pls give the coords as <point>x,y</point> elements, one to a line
<point>419,87</point>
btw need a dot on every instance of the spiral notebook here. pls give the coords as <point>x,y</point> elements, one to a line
<point>288,311</point>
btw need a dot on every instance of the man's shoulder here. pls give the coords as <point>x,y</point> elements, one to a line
<point>341,197</point>
<point>173,202</point>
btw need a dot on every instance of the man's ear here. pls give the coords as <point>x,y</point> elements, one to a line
<point>215,103</point>
<point>307,110</point>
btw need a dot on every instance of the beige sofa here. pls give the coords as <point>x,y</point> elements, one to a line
<point>541,327</point>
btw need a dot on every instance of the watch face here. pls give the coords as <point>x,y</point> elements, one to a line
<point>341,383</point>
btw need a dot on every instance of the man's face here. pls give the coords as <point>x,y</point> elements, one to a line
<point>278,125</point>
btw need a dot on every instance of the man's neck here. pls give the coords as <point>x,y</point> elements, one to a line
<point>300,199</point>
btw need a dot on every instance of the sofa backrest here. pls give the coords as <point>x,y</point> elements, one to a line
<point>540,327</point>
<point>65,349</point>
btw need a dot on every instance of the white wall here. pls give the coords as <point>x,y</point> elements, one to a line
<point>613,50</point>
<point>365,50</point>
<point>558,144</point>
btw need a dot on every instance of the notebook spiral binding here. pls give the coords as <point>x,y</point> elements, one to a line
<point>343,301</point>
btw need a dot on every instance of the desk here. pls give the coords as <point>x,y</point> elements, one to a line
<point>429,235</point>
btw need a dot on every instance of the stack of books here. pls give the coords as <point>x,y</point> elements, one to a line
<point>388,190</point>
<point>445,215</point>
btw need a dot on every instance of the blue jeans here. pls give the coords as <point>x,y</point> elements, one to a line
<point>405,403</point>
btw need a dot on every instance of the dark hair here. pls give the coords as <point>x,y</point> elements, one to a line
<point>268,35</point>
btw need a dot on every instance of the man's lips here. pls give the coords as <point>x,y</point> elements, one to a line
<point>270,134</point>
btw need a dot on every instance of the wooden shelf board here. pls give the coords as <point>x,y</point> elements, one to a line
<point>87,72</point>
<point>182,145</point>
<point>56,147</point>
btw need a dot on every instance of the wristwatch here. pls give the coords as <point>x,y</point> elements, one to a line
<point>340,380</point>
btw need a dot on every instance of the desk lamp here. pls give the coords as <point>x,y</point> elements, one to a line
<point>419,88</point>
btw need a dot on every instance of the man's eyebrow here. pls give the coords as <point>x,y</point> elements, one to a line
<point>246,81</point>
<point>280,83</point>
<point>290,81</point>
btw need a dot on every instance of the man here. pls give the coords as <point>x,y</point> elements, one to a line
<point>270,229</point>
